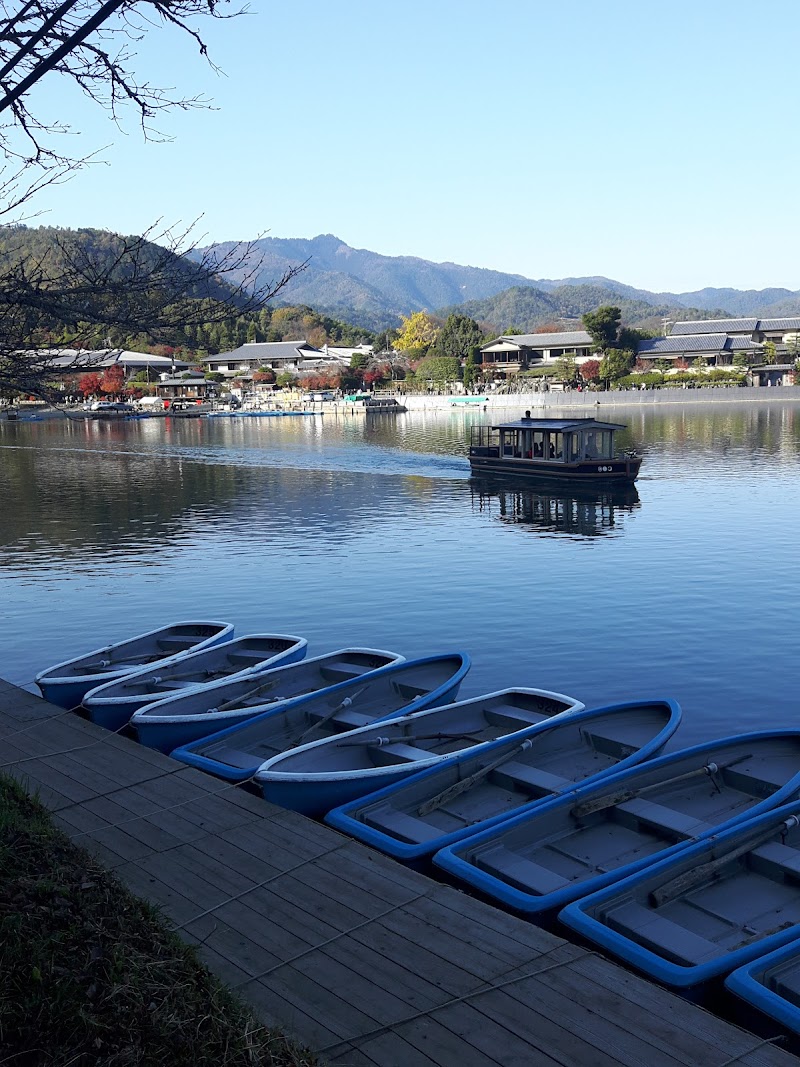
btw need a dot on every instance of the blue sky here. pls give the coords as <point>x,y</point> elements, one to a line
<point>655,144</point>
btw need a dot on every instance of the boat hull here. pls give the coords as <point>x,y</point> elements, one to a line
<point>770,985</point>
<point>172,723</point>
<point>67,683</point>
<point>237,753</point>
<point>692,918</point>
<point>331,772</point>
<point>112,705</point>
<point>606,472</point>
<point>568,847</point>
<point>587,746</point>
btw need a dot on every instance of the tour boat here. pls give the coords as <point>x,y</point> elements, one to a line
<point>564,450</point>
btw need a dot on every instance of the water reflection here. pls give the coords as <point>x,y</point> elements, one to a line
<point>579,512</point>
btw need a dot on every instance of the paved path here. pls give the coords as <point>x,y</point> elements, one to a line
<point>356,956</point>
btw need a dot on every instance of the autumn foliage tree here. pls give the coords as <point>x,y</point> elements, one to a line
<point>590,370</point>
<point>418,334</point>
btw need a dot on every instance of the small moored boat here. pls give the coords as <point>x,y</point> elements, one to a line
<point>771,984</point>
<point>715,906</point>
<point>111,705</point>
<point>564,450</point>
<point>471,792</point>
<point>67,683</point>
<point>186,717</point>
<point>321,775</point>
<point>238,752</point>
<point>579,842</point>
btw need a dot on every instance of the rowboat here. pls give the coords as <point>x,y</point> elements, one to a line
<point>570,846</point>
<point>67,683</point>
<point>111,705</point>
<point>770,984</point>
<point>473,791</point>
<point>237,753</point>
<point>324,774</point>
<point>697,916</point>
<point>186,717</point>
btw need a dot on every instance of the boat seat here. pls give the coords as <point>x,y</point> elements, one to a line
<point>334,675</point>
<point>397,752</point>
<point>517,871</point>
<point>604,741</point>
<point>753,784</point>
<point>246,659</point>
<point>775,858</point>
<point>667,939</point>
<point>533,779</point>
<point>659,816</point>
<point>175,644</point>
<point>403,827</point>
<point>514,718</point>
<point>409,692</point>
<point>352,719</point>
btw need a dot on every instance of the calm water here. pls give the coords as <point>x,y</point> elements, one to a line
<point>373,533</point>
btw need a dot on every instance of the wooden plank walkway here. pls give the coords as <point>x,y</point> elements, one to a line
<point>357,957</point>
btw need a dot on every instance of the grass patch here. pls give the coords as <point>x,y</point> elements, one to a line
<point>89,974</point>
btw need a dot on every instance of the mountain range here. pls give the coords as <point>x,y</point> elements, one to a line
<point>372,290</point>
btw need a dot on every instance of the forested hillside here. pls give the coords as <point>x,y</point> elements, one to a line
<point>50,259</point>
<point>525,309</point>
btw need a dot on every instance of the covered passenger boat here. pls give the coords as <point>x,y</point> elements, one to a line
<point>570,450</point>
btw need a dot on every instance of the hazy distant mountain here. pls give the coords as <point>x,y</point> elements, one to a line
<point>528,309</point>
<point>373,290</point>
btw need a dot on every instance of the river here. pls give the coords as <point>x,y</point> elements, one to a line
<point>370,531</point>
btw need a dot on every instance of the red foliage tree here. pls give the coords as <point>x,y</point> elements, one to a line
<point>113,380</point>
<point>89,384</point>
<point>590,370</point>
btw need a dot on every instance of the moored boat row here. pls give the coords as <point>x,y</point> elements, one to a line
<point>686,866</point>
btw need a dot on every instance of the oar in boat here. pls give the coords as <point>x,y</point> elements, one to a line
<point>361,742</point>
<point>467,783</point>
<point>603,802</point>
<point>326,718</point>
<point>157,679</point>
<point>239,702</point>
<point>676,887</point>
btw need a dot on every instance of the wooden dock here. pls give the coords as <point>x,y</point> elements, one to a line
<point>355,956</point>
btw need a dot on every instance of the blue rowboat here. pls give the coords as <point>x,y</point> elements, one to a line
<point>67,683</point>
<point>236,753</point>
<point>584,840</point>
<point>111,705</point>
<point>473,791</point>
<point>186,717</point>
<point>771,984</point>
<point>697,916</point>
<point>321,775</point>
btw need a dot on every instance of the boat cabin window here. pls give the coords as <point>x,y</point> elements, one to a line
<point>597,444</point>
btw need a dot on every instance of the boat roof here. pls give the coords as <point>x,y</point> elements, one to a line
<point>559,424</point>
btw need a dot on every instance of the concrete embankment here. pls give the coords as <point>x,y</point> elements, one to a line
<point>589,402</point>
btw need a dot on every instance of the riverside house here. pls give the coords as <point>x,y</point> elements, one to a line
<point>516,352</point>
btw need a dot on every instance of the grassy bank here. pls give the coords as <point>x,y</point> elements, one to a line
<point>90,975</point>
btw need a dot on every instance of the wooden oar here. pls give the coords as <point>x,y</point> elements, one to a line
<point>157,679</point>
<point>404,738</point>
<point>611,801</point>
<point>467,783</point>
<point>326,718</point>
<point>676,887</point>
<point>239,701</point>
